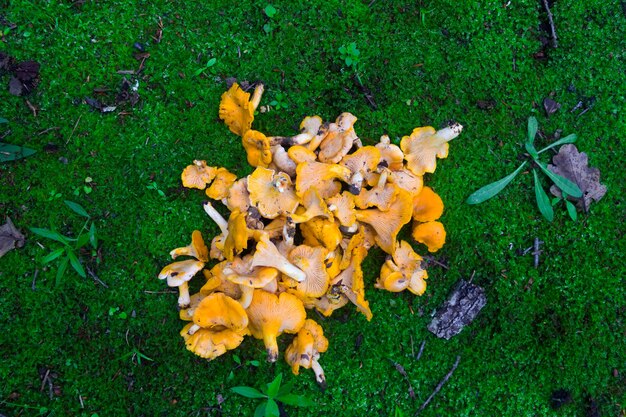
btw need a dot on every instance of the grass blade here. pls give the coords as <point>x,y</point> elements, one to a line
<point>567,139</point>
<point>77,208</point>
<point>78,267</point>
<point>563,183</point>
<point>490,190</point>
<point>93,237</point>
<point>543,201</point>
<point>52,256</point>
<point>533,126</point>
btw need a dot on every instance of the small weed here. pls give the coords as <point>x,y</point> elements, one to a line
<point>210,63</point>
<point>135,354</point>
<point>115,311</point>
<point>543,201</point>
<point>271,394</point>
<point>71,246</point>
<point>153,186</point>
<point>351,56</point>
<point>270,11</point>
<point>240,364</point>
<point>53,195</point>
<point>280,102</point>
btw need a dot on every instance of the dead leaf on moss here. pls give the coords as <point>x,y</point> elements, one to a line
<point>10,237</point>
<point>574,166</point>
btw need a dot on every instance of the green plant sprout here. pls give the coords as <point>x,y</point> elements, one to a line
<point>115,311</point>
<point>270,11</point>
<point>71,246</point>
<point>10,152</point>
<point>351,56</point>
<point>543,201</point>
<point>153,186</point>
<point>135,354</point>
<point>271,394</point>
<point>280,102</point>
<point>240,364</point>
<point>206,67</point>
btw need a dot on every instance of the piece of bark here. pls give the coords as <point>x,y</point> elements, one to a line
<point>10,237</point>
<point>463,304</point>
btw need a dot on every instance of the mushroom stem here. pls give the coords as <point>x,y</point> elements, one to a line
<point>194,328</point>
<point>271,346</point>
<point>382,180</point>
<point>246,296</point>
<point>450,132</point>
<point>356,181</point>
<point>256,96</point>
<point>183,299</point>
<point>216,217</point>
<point>319,373</point>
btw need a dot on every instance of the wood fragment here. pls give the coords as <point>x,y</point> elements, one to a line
<point>95,277</point>
<point>439,386</point>
<point>546,6</point>
<point>43,132</point>
<point>74,130</point>
<point>160,292</point>
<point>536,252</point>
<point>460,309</point>
<point>419,353</point>
<point>402,372</point>
<point>34,279</point>
<point>31,107</point>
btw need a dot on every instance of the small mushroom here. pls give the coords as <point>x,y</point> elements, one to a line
<point>423,147</point>
<point>218,311</point>
<point>221,185</point>
<point>339,139</point>
<point>311,260</point>
<point>361,164</point>
<point>390,154</point>
<point>427,206</point>
<point>239,272</point>
<point>312,206</point>
<point>305,350</point>
<point>209,344</point>
<point>198,175</point>
<point>257,147</point>
<point>237,108</point>
<point>321,232</point>
<point>432,234</point>
<point>178,275</point>
<point>271,315</point>
<point>196,249</point>
<point>322,177</point>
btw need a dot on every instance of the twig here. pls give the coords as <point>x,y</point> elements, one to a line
<point>159,292</point>
<point>472,277</point>
<point>74,130</point>
<point>31,107</point>
<point>536,252</point>
<point>95,277</point>
<point>436,262</point>
<point>402,372</point>
<point>43,132</point>
<point>419,353</point>
<point>34,279</point>
<point>551,21</point>
<point>439,386</point>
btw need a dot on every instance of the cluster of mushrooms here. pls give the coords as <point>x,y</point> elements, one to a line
<point>299,229</point>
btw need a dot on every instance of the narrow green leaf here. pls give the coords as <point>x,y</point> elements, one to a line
<point>490,190</point>
<point>77,208</point>
<point>274,386</point>
<point>248,392</point>
<point>260,410</point>
<point>285,389</point>
<point>78,267</point>
<point>82,241</point>
<point>52,256</point>
<point>195,74</point>
<point>543,201</point>
<point>571,209</point>
<point>10,152</point>
<point>61,270</point>
<point>563,183</point>
<point>530,148</point>
<point>567,139</point>
<point>50,234</point>
<point>533,126</point>
<point>93,237</point>
<point>271,409</point>
<point>237,359</point>
<point>3,120</point>
<point>211,62</point>
<point>254,363</point>
<point>296,400</point>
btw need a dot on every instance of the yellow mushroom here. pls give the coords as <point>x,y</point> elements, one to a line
<point>432,234</point>
<point>305,350</point>
<point>218,311</point>
<point>198,175</point>
<point>197,248</point>
<point>209,344</point>
<point>221,185</point>
<point>423,147</point>
<point>271,315</point>
<point>248,278</point>
<point>178,275</point>
<point>257,147</point>
<point>427,206</point>
<point>321,176</point>
<point>266,254</point>
<point>237,108</point>
<point>271,193</point>
<point>311,260</point>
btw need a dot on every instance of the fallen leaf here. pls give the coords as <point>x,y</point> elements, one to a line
<point>574,165</point>
<point>550,106</point>
<point>10,237</point>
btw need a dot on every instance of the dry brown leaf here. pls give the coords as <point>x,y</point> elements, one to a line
<point>574,165</point>
<point>10,237</point>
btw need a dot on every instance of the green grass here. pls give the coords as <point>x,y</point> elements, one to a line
<point>558,326</point>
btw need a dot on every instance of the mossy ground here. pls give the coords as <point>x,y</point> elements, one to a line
<point>558,326</point>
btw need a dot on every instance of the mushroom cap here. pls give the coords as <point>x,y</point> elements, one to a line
<point>320,176</point>
<point>351,284</point>
<point>272,193</point>
<point>380,197</point>
<point>198,175</point>
<point>239,272</point>
<point>299,154</point>
<point>363,160</point>
<point>257,147</point>
<point>270,315</point>
<point>406,180</point>
<point>178,273</point>
<point>237,110</point>
<point>321,232</point>
<point>218,311</point>
<point>238,197</point>
<point>306,346</point>
<point>417,284</point>
<point>186,314</point>
<point>315,207</point>
<point>237,238</point>
<point>197,248</point>
<point>210,344</point>
<point>390,279</point>
<point>423,147</point>
<point>427,206</point>
<point>221,185</point>
<point>343,208</point>
<point>339,139</point>
<point>311,260</point>
<point>217,282</point>
<point>432,234</point>
<point>391,154</point>
<point>267,254</point>
<point>388,223</point>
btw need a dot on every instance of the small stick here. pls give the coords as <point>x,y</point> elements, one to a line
<point>551,21</point>
<point>402,372</point>
<point>80,398</point>
<point>159,292</point>
<point>436,262</point>
<point>419,353</point>
<point>536,252</point>
<point>95,277</point>
<point>74,130</point>
<point>472,277</point>
<point>32,108</point>
<point>439,386</point>
<point>34,279</point>
<point>43,132</point>
<point>44,380</point>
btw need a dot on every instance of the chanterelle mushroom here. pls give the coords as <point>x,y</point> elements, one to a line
<point>427,206</point>
<point>305,350</point>
<point>272,193</point>
<point>423,147</point>
<point>237,108</point>
<point>267,254</point>
<point>432,234</point>
<point>197,248</point>
<point>178,275</point>
<point>271,315</point>
<point>257,147</point>
<point>218,311</point>
<point>210,344</point>
<point>198,175</point>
